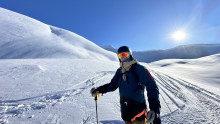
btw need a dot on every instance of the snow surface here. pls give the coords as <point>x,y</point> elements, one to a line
<point>194,82</point>
<point>24,37</point>
<point>58,91</point>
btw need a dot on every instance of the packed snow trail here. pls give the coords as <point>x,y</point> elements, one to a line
<point>183,102</point>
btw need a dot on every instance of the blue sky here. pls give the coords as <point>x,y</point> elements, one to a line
<point>139,24</point>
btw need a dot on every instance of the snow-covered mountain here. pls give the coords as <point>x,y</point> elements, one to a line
<point>58,91</point>
<point>180,52</point>
<point>24,37</point>
<point>110,48</point>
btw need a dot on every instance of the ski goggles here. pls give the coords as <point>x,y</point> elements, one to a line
<point>125,55</point>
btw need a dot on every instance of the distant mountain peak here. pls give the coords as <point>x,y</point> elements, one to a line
<point>110,48</point>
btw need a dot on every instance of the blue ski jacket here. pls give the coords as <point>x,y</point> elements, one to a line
<point>129,88</point>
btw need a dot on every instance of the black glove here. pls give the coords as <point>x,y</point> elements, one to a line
<point>150,117</point>
<point>94,91</point>
<point>101,89</point>
<point>154,105</point>
<point>154,113</point>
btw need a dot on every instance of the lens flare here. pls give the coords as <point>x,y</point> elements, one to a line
<point>179,35</point>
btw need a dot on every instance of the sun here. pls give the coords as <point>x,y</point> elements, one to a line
<point>179,35</point>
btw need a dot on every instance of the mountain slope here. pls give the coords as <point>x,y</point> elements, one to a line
<point>202,71</point>
<point>24,37</point>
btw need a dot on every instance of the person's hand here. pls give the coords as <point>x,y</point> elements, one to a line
<point>94,91</point>
<point>150,117</point>
<point>154,114</point>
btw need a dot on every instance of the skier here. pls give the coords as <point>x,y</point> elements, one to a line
<point>132,78</point>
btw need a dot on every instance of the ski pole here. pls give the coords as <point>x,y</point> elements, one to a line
<point>96,98</point>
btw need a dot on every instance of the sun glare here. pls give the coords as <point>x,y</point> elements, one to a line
<point>179,35</point>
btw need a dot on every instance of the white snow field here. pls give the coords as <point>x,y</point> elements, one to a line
<point>57,91</point>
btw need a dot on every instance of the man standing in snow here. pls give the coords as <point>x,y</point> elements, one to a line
<point>132,78</point>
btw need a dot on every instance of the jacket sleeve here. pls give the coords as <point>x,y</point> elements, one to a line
<point>147,80</point>
<point>112,86</point>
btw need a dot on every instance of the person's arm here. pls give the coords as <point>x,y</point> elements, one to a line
<point>146,79</point>
<point>109,87</point>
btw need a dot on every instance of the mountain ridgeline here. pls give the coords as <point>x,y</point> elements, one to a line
<point>180,52</point>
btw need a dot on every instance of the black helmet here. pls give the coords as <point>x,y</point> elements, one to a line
<point>125,49</point>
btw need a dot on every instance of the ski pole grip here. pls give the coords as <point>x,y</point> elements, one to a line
<point>97,96</point>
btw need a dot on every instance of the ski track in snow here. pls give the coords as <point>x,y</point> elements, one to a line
<point>182,102</point>
<point>185,102</point>
<point>12,108</point>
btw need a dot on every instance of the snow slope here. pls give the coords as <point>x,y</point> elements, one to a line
<point>192,86</point>
<point>24,37</point>
<point>57,91</point>
<point>203,71</point>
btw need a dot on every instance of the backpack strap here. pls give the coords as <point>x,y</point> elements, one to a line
<point>120,77</point>
<point>133,70</point>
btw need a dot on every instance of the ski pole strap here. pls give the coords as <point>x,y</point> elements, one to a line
<point>139,115</point>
